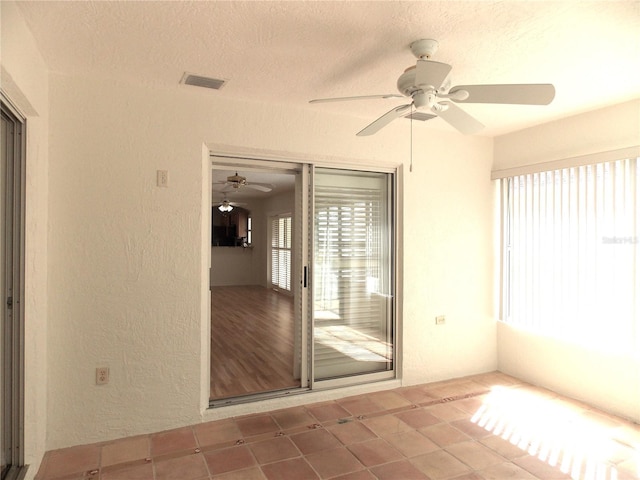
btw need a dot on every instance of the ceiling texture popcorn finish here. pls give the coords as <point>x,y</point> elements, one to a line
<point>292,52</point>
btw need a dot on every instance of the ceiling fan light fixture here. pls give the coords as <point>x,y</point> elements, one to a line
<point>225,207</point>
<point>421,116</point>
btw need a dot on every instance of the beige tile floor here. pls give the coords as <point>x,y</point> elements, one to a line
<point>488,426</point>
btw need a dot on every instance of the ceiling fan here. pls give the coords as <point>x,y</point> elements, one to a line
<point>237,181</point>
<point>428,86</point>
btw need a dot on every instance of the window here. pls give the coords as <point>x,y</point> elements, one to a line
<point>571,253</point>
<point>281,252</point>
<point>249,241</point>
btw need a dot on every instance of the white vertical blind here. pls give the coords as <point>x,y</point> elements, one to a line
<point>571,253</point>
<point>281,252</point>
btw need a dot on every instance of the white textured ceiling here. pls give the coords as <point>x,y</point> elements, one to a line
<point>291,52</point>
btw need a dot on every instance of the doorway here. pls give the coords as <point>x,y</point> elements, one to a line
<point>255,300</point>
<point>12,288</point>
<point>302,278</point>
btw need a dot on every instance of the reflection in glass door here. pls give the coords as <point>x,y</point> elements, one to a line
<point>352,273</point>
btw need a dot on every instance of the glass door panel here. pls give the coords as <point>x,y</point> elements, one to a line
<point>256,294</point>
<point>11,295</point>
<point>352,273</point>
<point>5,393</point>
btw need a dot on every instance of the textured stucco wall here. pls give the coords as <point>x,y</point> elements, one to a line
<point>126,258</point>
<point>448,252</point>
<point>610,128</point>
<point>25,81</point>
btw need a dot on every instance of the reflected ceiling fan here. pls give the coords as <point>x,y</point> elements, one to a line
<point>237,181</point>
<point>226,206</point>
<point>427,85</point>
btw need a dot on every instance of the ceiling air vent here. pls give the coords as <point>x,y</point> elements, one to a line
<point>200,81</point>
<point>423,117</point>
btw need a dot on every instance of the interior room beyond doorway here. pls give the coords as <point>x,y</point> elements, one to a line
<point>253,319</point>
<point>254,333</point>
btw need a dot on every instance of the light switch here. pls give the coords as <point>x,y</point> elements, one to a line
<point>162,178</point>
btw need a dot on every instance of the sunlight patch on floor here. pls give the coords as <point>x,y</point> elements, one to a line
<point>559,435</point>
<point>353,343</point>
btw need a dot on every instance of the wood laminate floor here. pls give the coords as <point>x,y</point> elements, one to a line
<point>252,341</point>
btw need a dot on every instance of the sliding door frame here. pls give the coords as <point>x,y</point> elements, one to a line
<point>363,378</point>
<point>13,301</point>
<point>235,158</point>
<point>233,161</point>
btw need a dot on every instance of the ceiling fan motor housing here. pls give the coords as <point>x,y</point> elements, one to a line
<point>422,49</point>
<point>236,180</point>
<point>421,97</point>
<point>406,82</point>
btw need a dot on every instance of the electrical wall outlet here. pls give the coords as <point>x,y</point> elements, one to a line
<point>440,320</point>
<point>102,375</point>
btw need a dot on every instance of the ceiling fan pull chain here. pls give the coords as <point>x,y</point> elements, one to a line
<point>411,141</point>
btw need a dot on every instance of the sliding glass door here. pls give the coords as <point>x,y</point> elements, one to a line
<point>309,301</point>
<point>11,294</point>
<point>352,273</point>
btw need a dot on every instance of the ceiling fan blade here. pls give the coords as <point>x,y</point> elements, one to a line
<point>520,94</point>
<point>431,75</point>
<point>263,187</point>
<point>460,120</point>
<point>362,97</point>
<point>266,185</point>
<point>384,120</point>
